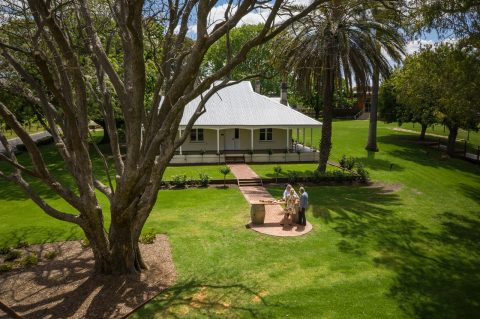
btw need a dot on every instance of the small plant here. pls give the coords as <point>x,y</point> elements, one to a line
<point>362,173</point>
<point>147,238</point>
<point>277,170</point>
<point>5,267</point>
<point>204,179</point>
<point>51,254</point>
<point>21,244</point>
<point>5,250</point>
<point>316,176</point>
<point>270,152</point>
<point>29,260</point>
<point>202,152</point>
<point>13,255</point>
<point>293,177</point>
<point>85,243</point>
<point>225,171</point>
<point>179,181</point>
<point>347,162</point>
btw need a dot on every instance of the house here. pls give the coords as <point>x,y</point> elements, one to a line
<point>240,123</point>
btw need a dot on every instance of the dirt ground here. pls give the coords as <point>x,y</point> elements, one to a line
<point>65,287</point>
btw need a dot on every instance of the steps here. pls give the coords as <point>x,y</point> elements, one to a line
<point>364,116</point>
<point>234,158</point>
<point>249,182</point>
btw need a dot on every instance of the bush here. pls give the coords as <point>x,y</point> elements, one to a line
<point>363,174</point>
<point>5,250</point>
<point>147,238</point>
<point>204,179</point>
<point>5,267</point>
<point>347,162</point>
<point>293,177</point>
<point>51,254</point>
<point>13,255</point>
<point>179,181</point>
<point>224,170</point>
<point>277,170</point>
<point>29,260</point>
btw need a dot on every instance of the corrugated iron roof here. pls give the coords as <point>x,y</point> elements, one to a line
<point>238,105</point>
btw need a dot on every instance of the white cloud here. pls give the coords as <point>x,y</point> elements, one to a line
<point>415,45</point>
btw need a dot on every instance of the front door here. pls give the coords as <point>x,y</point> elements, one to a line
<point>232,139</point>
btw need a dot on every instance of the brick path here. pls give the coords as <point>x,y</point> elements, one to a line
<point>273,212</point>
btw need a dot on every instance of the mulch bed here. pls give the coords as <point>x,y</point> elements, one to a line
<point>66,286</point>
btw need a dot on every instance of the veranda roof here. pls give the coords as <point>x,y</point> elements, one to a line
<point>239,106</point>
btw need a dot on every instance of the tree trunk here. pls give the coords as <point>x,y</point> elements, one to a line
<point>423,131</point>
<point>328,92</point>
<point>372,128</point>
<point>452,138</point>
<point>105,138</point>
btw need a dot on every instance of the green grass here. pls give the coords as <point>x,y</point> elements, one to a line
<point>34,128</point>
<point>472,137</point>
<point>406,247</point>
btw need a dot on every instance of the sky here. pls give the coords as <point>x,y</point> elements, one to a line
<point>218,12</point>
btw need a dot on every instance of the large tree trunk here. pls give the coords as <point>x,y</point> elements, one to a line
<point>422,132</point>
<point>372,128</point>
<point>452,138</point>
<point>328,92</point>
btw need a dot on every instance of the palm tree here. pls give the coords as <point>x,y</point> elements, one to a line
<point>339,40</point>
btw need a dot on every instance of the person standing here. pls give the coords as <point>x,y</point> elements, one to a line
<point>302,220</point>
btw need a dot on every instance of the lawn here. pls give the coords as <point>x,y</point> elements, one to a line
<point>406,247</point>
<point>192,172</point>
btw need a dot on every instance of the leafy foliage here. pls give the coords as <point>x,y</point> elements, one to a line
<point>347,162</point>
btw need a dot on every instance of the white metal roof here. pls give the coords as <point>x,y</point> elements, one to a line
<point>239,106</point>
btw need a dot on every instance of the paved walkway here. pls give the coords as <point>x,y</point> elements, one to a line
<point>273,211</point>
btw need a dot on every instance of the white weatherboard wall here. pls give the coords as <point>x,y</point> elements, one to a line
<point>255,158</point>
<point>279,141</point>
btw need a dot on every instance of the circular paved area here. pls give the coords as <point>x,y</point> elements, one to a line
<point>273,211</point>
<point>272,227</point>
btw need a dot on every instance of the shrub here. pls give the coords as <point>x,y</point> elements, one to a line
<point>5,250</point>
<point>339,176</point>
<point>29,260</point>
<point>179,181</point>
<point>13,255</point>
<point>224,170</point>
<point>204,179</point>
<point>316,176</point>
<point>277,170</point>
<point>292,177</point>
<point>363,174</point>
<point>147,238</point>
<point>51,254</point>
<point>5,267</point>
<point>347,162</point>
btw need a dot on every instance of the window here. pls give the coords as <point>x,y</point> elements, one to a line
<point>237,133</point>
<point>196,135</point>
<point>265,134</point>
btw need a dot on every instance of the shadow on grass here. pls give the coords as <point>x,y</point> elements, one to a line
<point>436,273</point>
<point>194,297</point>
<point>23,235</point>
<point>471,192</point>
<point>411,150</point>
<point>56,165</point>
